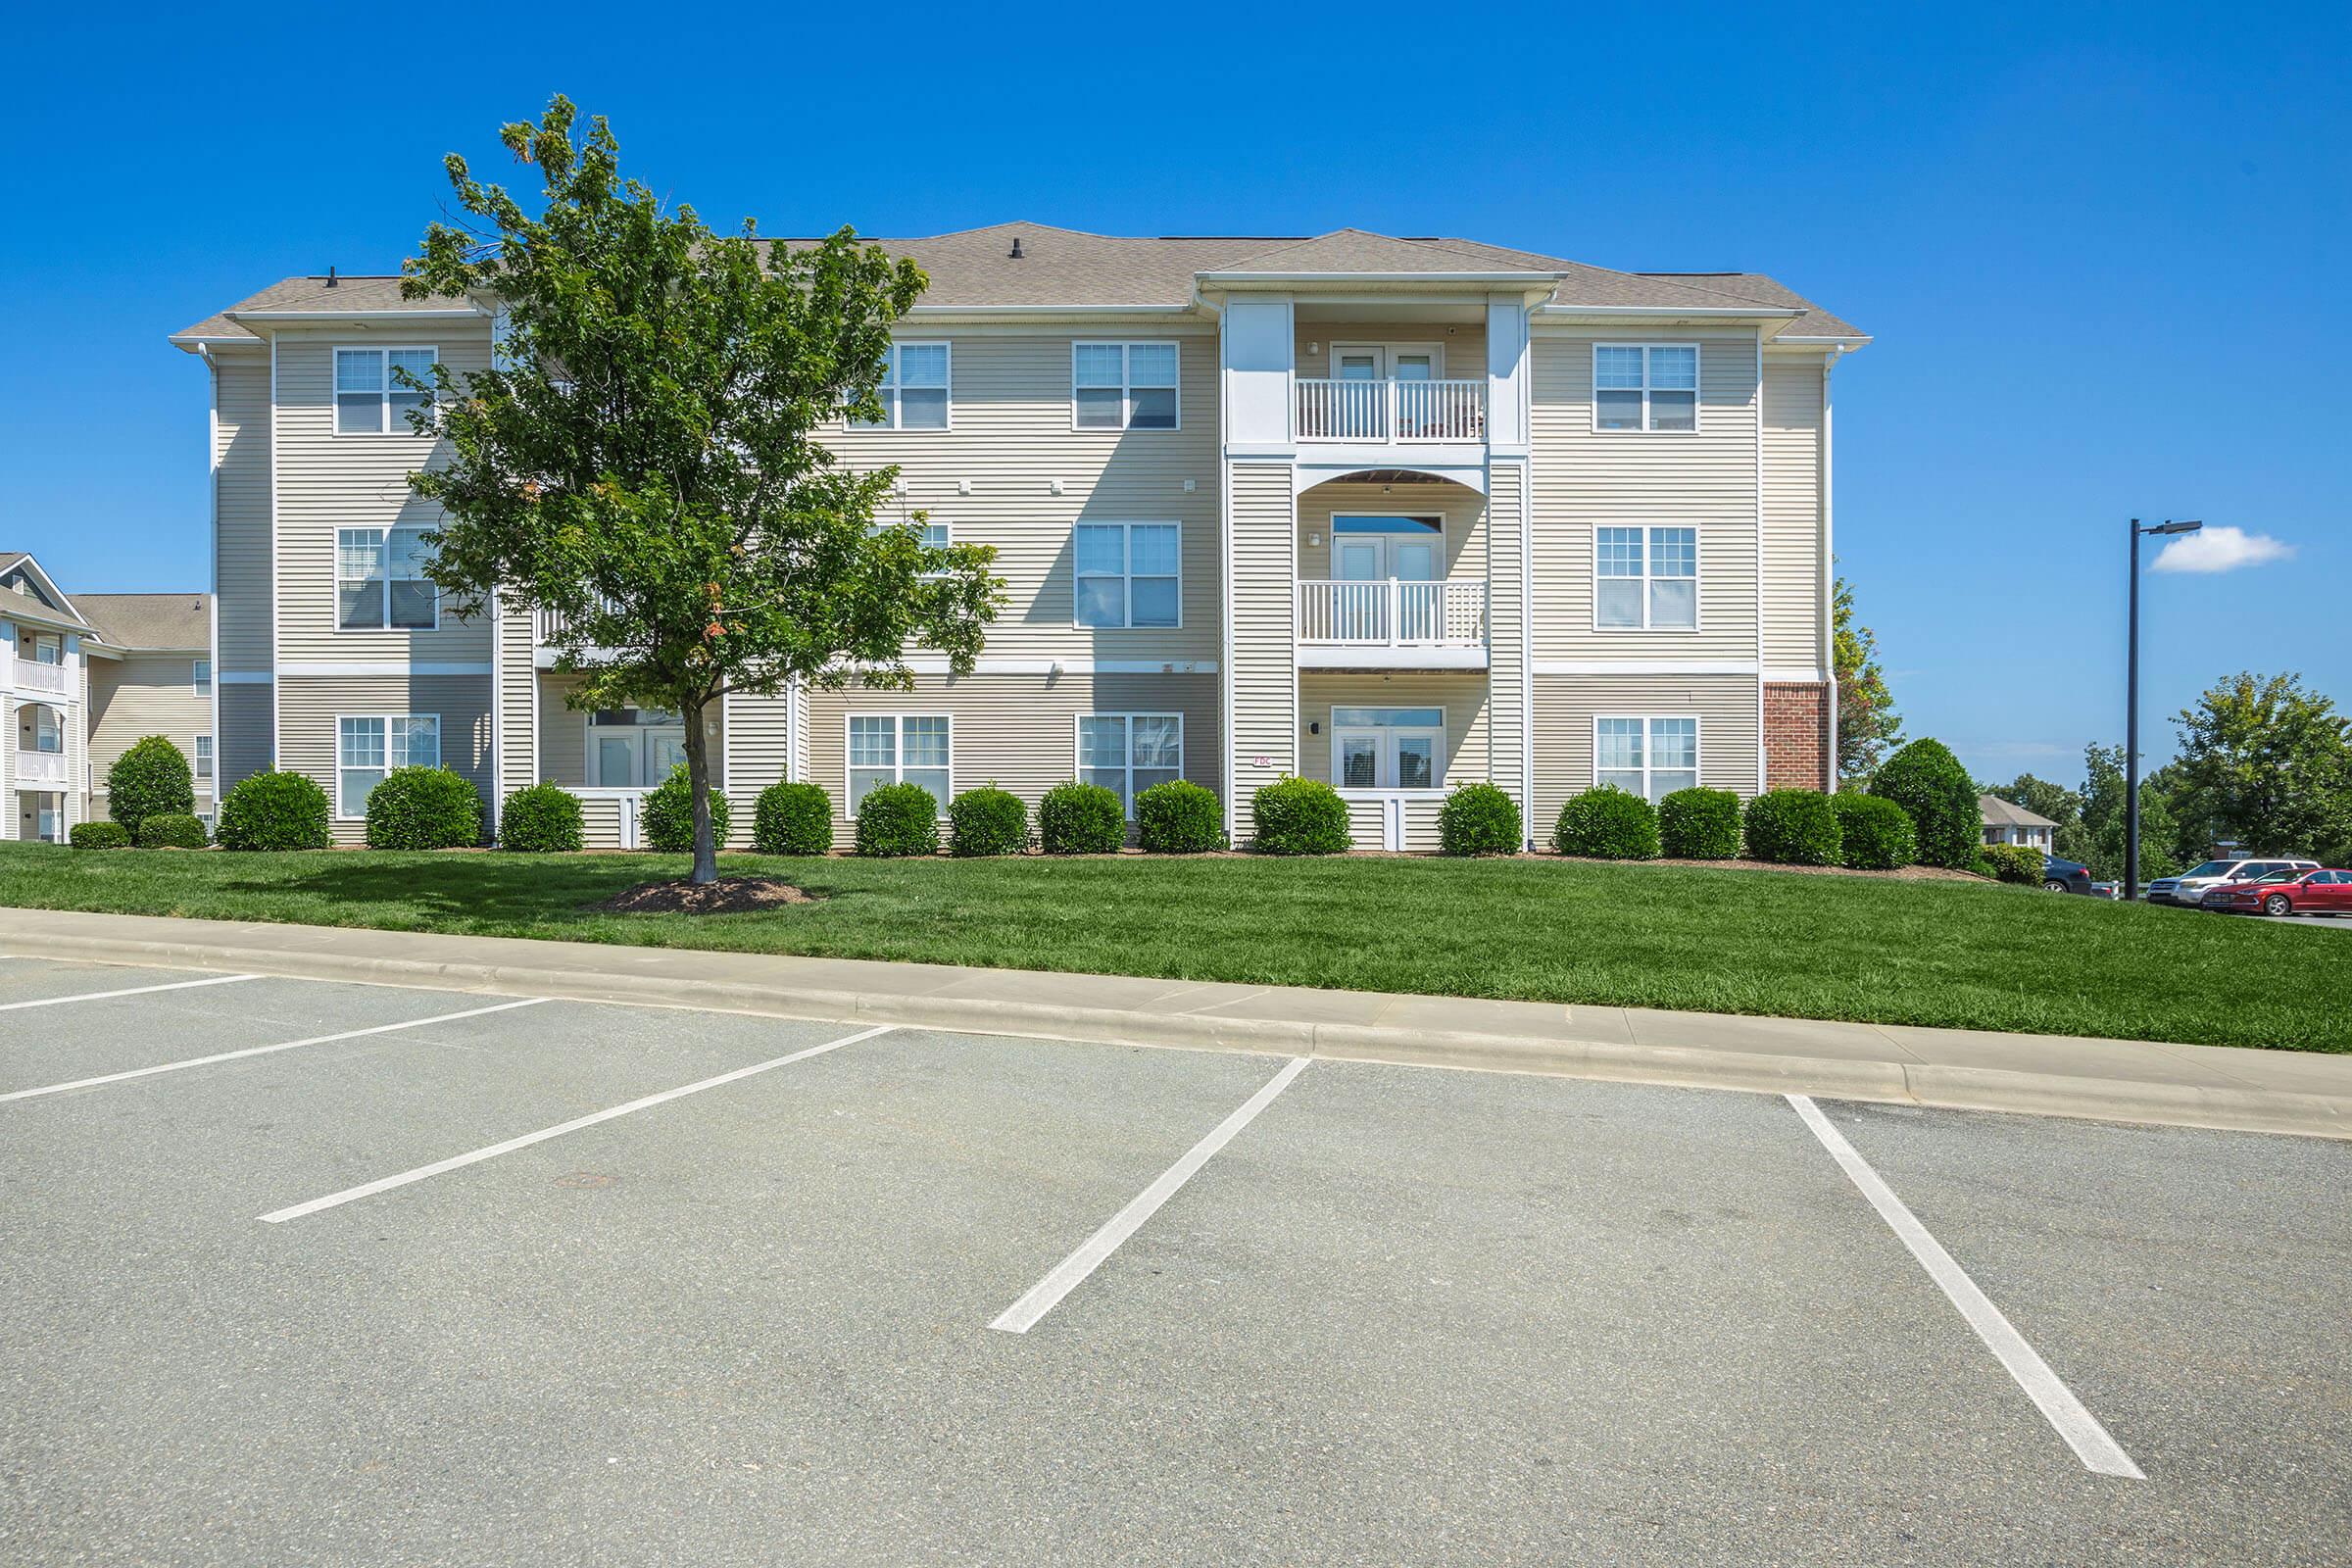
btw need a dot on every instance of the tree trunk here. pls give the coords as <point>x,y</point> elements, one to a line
<point>698,779</point>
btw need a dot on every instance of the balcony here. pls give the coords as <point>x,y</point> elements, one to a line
<point>1385,413</point>
<point>40,769</point>
<point>37,677</point>
<point>1386,624</point>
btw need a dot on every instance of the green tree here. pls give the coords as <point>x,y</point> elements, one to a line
<point>2267,762</point>
<point>642,459</point>
<point>1868,725</point>
<point>2101,836</point>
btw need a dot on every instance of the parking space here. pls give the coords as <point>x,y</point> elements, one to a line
<point>561,1281</point>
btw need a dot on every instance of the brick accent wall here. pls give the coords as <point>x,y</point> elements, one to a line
<point>1796,737</point>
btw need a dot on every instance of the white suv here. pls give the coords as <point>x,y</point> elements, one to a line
<point>2189,888</point>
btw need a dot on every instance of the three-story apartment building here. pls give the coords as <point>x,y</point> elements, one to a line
<point>1396,513</point>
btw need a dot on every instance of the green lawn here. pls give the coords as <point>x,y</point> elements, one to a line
<point>1969,955</point>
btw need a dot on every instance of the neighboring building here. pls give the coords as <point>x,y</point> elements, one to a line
<point>2006,822</point>
<point>150,673</point>
<point>1394,513</point>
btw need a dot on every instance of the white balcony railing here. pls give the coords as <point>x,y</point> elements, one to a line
<point>551,629</point>
<point>1391,613</point>
<point>40,767</point>
<point>35,677</point>
<point>1388,411</point>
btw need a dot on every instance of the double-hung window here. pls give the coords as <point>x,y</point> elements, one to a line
<point>901,749</point>
<point>1129,753</point>
<point>200,676</point>
<point>1123,386</point>
<point>1651,757</point>
<point>371,398</point>
<point>204,757</point>
<point>913,389</point>
<point>1646,386</point>
<point>1646,579</point>
<point>380,582</point>
<point>369,746</point>
<point>1128,575</point>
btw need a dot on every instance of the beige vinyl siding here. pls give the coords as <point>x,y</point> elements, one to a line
<point>1018,732</point>
<point>141,694</point>
<point>241,564</point>
<point>1508,601</point>
<point>563,735</point>
<point>1792,439</point>
<point>242,746</point>
<point>758,749</point>
<point>1462,696</point>
<point>1264,675</point>
<point>517,684</point>
<point>308,709</point>
<point>1011,440</point>
<point>1464,352</point>
<point>1587,478</point>
<point>1567,705</point>
<point>1463,509</point>
<point>327,482</point>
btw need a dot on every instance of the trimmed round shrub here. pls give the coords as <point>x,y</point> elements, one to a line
<point>1793,827</point>
<point>1876,832</point>
<point>170,830</point>
<point>1607,823</point>
<point>1179,817</point>
<point>2021,863</point>
<point>987,821</point>
<point>792,819</point>
<point>274,810</point>
<point>98,836</point>
<point>543,819</point>
<point>1298,816</point>
<point>423,808</point>
<point>1927,781</point>
<point>1699,826</point>
<point>1479,819</point>
<point>669,819</point>
<point>152,778</point>
<point>895,820</point>
<point>1081,819</point>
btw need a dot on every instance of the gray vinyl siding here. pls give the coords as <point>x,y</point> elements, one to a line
<point>308,709</point>
<point>1587,478</point>
<point>1263,679</point>
<point>1018,732</point>
<point>241,563</point>
<point>1463,697</point>
<point>1792,452</point>
<point>141,694</point>
<point>1567,705</point>
<point>242,748</point>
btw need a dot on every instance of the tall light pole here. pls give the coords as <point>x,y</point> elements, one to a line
<point>2131,709</point>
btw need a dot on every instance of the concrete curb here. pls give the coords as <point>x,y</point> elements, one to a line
<point>1910,1083</point>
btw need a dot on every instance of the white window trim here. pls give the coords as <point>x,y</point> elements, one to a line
<point>334,397</point>
<point>1699,385</point>
<point>1126,385</point>
<point>207,779</point>
<point>1697,580</point>
<point>1388,356</point>
<point>1440,757</point>
<point>891,425</point>
<point>340,814</point>
<point>200,670</point>
<point>1126,571</point>
<point>335,607</point>
<point>898,755</point>
<point>1698,737</point>
<point>1078,746</point>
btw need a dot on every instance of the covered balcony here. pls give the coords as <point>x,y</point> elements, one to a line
<point>40,742</point>
<point>1367,411</point>
<point>1391,574</point>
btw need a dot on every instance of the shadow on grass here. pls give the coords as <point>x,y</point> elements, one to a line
<point>561,890</point>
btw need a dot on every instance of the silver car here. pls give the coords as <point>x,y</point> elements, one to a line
<point>2189,888</point>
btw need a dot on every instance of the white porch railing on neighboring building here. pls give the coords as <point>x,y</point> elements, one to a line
<point>1390,410</point>
<point>38,768</point>
<point>37,677</point>
<point>1393,613</point>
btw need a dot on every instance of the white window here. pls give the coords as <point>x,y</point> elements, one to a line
<point>1650,386</point>
<point>1651,757</point>
<point>901,749</point>
<point>201,676</point>
<point>48,730</point>
<point>369,746</point>
<point>1645,579</point>
<point>1128,575</point>
<point>1388,748</point>
<point>202,761</point>
<point>1123,386</point>
<point>380,581</point>
<point>371,399</point>
<point>1129,753</point>
<point>914,390</point>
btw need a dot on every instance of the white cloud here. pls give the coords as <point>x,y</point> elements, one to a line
<point>2220,550</point>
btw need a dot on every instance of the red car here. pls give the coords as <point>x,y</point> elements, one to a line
<point>2286,893</point>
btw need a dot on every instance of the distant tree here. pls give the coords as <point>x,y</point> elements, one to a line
<point>2056,802</point>
<point>2268,764</point>
<point>2100,836</point>
<point>1868,726</point>
<point>644,457</point>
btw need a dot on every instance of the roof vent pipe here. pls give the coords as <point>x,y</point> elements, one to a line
<point>1016,247</point>
<point>330,274</point>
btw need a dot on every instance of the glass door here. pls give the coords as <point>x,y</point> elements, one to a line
<point>619,757</point>
<point>1362,403</point>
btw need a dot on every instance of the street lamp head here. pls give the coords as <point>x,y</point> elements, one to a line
<point>2174,527</point>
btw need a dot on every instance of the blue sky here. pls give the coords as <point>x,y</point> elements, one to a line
<point>2101,248</point>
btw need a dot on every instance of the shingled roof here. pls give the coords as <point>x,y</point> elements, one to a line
<point>174,622</point>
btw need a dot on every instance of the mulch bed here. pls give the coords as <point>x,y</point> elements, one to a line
<point>729,895</point>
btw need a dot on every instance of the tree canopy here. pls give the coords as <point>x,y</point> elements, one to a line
<point>2266,762</point>
<point>1868,726</point>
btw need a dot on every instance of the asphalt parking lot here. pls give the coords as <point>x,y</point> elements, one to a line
<point>310,1273</point>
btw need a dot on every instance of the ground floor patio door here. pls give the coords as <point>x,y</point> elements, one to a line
<point>634,757</point>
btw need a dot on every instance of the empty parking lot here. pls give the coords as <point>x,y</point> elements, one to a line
<point>308,1272</point>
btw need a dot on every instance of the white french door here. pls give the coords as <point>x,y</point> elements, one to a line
<point>1386,758</point>
<point>635,757</point>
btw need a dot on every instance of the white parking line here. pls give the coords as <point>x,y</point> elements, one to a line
<point>263,1051</point>
<point>132,991</point>
<point>457,1161</point>
<point>2078,1426</point>
<point>1048,1292</point>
